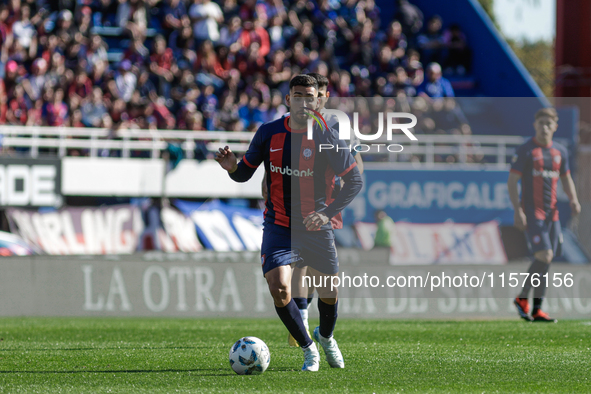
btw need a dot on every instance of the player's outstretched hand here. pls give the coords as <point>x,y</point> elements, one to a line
<point>315,220</point>
<point>520,219</point>
<point>575,208</point>
<point>227,159</point>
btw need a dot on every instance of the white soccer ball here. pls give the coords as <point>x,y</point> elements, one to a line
<point>249,356</point>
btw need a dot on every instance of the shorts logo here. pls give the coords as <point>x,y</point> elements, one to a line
<point>536,239</point>
<point>263,260</point>
<point>307,153</point>
<point>557,159</point>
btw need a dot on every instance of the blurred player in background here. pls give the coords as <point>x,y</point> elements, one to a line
<point>539,163</point>
<point>299,209</point>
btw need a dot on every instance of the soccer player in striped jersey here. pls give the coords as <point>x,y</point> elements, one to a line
<point>299,209</point>
<point>302,294</point>
<point>539,163</point>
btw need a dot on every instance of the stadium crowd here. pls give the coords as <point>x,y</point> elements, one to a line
<point>207,65</point>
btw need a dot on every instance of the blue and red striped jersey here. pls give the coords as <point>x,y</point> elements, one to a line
<point>540,167</point>
<point>300,172</point>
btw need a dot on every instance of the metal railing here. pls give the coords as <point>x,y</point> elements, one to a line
<point>429,150</point>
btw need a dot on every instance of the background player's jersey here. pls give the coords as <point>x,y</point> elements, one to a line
<point>540,167</point>
<point>300,177</point>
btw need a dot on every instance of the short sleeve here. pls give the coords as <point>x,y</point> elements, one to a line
<point>518,161</point>
<point>254,155</point>
<point>564,166</point>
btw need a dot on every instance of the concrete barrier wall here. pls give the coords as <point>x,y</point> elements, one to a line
<point>210,284</point>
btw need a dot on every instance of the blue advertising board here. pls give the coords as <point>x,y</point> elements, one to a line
<point>223,227</point>
<point>435,196</point>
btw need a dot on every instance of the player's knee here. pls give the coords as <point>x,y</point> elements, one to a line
<point>279,292</point>
<point>545,256</point>
<point>328,293</point>
<point>329,301</point>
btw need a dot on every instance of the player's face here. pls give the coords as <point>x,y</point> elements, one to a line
<point>299,99</point>
<point>545,128</point>
<point>323,95</point>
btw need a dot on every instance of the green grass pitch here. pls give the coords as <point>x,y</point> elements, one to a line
<point>74,355</point>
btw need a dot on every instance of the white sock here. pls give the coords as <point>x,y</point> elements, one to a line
<point>304,313</point>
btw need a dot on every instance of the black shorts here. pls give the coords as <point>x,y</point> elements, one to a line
<point>284,246</point>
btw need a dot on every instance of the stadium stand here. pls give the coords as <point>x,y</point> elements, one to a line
<point>212,66</point>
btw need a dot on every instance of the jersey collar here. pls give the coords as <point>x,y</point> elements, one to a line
<point>286,123</point>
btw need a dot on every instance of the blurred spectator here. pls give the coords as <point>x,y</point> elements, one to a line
<point>208,68</point>
<point>448,116</point>
<point>11,78</point>
<point>85,23</point>
<point>93,110</point>
<point>205,16</point>
<point>4,27</point>
<point>404,83</point>
<point>125,81</point>
<point>35,114</point>
<point>34,84</point>
<point>276,33</point>
<point>230,34</point>
<point>132,16</point>
<point>182,44</point>
<point>255,33</point>
<point>207,104</point>
<point>430,43</point>
<point>146,88</point>
<point>81,88</point>
<point>410,17</point>
<point>93,53</point>
<point>395,40</point>
<point>174,13</point>
<point>65,29</point>
<point>161,65</point>
<point>137,53</point>
<point>105,12</point>
<point>55,112</point>
<point>458,54</point>
<point>413,67</point>
<point>18,107</point>
<point>24,32</point>
<point>435,85</point>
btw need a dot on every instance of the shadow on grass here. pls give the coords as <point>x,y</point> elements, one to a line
<point>105,348</point>
<point>210,371</point>
<point>221,373</point>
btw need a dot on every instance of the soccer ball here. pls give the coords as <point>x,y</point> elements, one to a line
<point>249,356</point>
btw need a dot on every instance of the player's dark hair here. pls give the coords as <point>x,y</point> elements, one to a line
<point>549,112</point>
<point>321,79</point>
<point>303,80</point>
